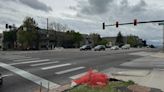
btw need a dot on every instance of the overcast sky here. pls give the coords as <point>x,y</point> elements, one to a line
<point>86,16</point>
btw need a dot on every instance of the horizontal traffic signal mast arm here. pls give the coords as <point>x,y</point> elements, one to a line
<point>142,22</point>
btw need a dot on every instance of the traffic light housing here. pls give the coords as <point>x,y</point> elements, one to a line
<point>7,26</point>
<point>117,24</point>
<point>103,25</point>
<point>135,22</point>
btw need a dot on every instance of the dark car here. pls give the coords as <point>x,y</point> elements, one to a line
<point>99,48</point>
<point>1,79</point>
<point>86,47</point>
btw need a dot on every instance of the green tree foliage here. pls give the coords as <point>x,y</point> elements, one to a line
<point>132,40</point>
<point>30,24</point>
<point>119,39</point>
<point>103,42</point>
<point>95,39</point>
<point>9,36</point>
<point>9,39</point>
<point>74,37</point>
<point>28,35</point>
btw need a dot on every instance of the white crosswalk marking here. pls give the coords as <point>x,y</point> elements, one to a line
<point>70,70</point>
<point>79,75</point>
<point>44,63</point>
<point>55,66</point>
<point>28,62</point>
<point>26,59</point>
<point>29,76</point>
<point>15,57</point>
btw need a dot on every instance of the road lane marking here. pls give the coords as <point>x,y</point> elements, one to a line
<point>79,75</point>
<point>45,63</point>
<point>28,62</point>
<point>55,66</point>
<point>26,59</point>
<point>70,70</point>
<point>29,76</point>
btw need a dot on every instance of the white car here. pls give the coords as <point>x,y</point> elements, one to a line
<point>114,48</point>
<point>126,46</point>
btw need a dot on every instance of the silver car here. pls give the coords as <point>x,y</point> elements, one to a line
<point>99,48</point>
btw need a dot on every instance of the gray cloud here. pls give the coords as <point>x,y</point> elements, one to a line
<point>98,7</point>
<point>94,6</point>
<point>141,6</point>
<point>35,4</point>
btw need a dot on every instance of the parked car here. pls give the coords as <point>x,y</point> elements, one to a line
<point>114,48</point>
<point>126,46</point>
<point>85,47</point>
<point>99,48</point>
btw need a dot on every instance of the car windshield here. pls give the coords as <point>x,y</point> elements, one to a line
<point>84,46</point>
<point>81,45</point>
<point>98,46</point>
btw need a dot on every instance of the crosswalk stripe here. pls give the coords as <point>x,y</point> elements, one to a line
<point>55,66</point>
<point>70,70</point>
<point>44,63</point>
<point>29,76</point>
<point>14,58</point>
<point>79,75</point>
<point>28,62</point>
<point>26,59</point>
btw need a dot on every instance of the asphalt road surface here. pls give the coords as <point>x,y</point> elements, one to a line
<point>26,70</point>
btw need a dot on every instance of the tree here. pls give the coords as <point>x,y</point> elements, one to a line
<point>119,39</point>
<point>95,39</point>
<point>74,38</point>
<point>9,39</point>
<point>103,42</point>
<point>77,38</point>
<point>133,41</point>
<point>27,35</point>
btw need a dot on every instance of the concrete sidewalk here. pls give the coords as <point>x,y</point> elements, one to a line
<point>151,77</point>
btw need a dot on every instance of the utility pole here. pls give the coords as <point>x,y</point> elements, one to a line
<point>47,35</point>
<point>163,34</point>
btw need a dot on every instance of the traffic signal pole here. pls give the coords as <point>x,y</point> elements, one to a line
<point>163,34</point>
<point>161,22</point>
<point>133,23</point>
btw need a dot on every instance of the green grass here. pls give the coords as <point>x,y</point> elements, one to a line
<point>109,88</point>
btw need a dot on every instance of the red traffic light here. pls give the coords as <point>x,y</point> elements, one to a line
<point>103,24</point>
<point>117,24</point>
<point>135,22</point>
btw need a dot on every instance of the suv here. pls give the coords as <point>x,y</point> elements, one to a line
<point>126,46</point>
<point>85,47</point>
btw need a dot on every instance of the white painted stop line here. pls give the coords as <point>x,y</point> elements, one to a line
<point>70,70</point>
<point>28,62</point>
<point>55,66</point>
<point>29,76</point>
